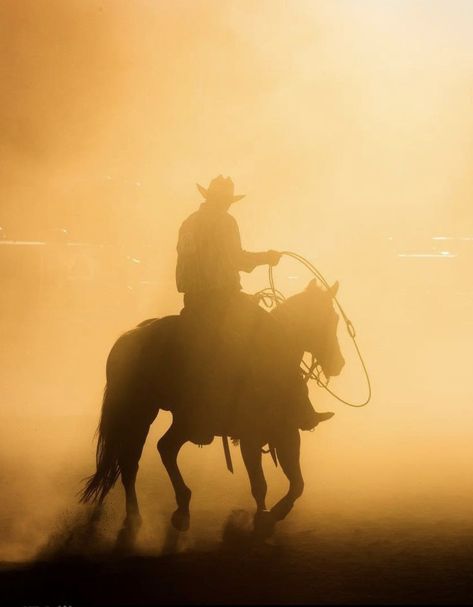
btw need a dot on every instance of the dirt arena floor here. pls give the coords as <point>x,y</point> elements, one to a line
<point>349,563</point>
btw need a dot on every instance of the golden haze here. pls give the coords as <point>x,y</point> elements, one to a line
<point>349,127</point>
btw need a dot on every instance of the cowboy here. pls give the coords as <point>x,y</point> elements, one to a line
<point>210,255</point>
<point>210,258</point>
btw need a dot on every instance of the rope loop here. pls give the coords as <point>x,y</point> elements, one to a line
<point>351,329</point>
<point>271,297</point>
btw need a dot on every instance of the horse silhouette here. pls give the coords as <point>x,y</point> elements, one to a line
<point>143,377</point>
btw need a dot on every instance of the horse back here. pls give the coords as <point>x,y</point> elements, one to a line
<point>142,352</point>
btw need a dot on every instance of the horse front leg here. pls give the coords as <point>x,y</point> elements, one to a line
<point>251,453</point>
<point>252,456</point>
<point>288,451</point>
<point>169,446</point>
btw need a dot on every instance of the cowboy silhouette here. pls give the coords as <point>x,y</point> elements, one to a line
<point>210,259</point>
<point>210,255</point>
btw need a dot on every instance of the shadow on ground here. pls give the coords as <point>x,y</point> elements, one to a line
<point>350,565</point>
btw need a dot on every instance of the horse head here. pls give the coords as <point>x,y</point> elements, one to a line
<point>320,328</point>
<point>314,321</point>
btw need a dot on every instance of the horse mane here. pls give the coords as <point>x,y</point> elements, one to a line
<point>143,323</point>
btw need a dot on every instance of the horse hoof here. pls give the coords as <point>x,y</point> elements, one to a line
<point>126,539</point>
<point>180,520</point>
<point>132,523</point>
<point>264,524</point>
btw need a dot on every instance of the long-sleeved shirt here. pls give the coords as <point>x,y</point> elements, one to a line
<point>209,252</point>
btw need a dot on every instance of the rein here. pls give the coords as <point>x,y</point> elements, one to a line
<point>271,296</point>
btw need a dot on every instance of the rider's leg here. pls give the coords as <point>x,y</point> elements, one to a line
<point>308,418</point>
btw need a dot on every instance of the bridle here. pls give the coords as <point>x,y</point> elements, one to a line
<point>271,297</point>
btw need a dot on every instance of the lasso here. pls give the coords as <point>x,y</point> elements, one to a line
<point>272,296</point>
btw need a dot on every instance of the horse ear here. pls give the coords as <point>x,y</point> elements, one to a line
<point>313,285</point>
<point>334,289</point>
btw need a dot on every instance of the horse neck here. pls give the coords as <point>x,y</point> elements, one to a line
<point>292,321</point>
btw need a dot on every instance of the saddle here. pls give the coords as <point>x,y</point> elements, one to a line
<point>235,374</point>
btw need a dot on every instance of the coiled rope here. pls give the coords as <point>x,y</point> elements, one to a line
<point>273,297</point>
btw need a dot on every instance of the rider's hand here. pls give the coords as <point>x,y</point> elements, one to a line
<point>273,257</point>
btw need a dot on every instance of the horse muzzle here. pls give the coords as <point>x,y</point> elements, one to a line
<point>333,368</point>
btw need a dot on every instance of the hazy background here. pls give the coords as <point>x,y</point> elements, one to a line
<point>349,126</point>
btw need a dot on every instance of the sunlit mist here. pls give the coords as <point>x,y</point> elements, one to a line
<point>349,127</point>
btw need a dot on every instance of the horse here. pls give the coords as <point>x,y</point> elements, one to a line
<point>142,379</point>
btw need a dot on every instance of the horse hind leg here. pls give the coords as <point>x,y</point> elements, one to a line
<point>128,464</point>
<point>288,451</point>
<point>169,446</point>
<point>129,470</point>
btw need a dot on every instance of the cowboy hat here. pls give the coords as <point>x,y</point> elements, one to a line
<point>220,189</point>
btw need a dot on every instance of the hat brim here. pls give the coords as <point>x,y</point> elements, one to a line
<point>205,194</point>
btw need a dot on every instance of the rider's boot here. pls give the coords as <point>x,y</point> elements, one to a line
<point>324,416</point>
<point>310,418</point>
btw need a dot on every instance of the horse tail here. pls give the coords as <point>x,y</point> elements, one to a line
<point>107,453</point>
<point>118,420</point>
<point>128,407</point>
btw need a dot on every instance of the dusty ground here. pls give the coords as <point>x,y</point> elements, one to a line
<point>349,563</point>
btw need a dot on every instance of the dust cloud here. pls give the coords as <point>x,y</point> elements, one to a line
<point>348,126</point>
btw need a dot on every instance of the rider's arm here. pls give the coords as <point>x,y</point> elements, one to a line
<point>247,261</point>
